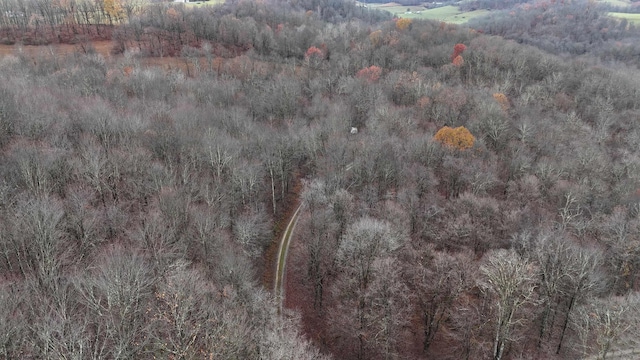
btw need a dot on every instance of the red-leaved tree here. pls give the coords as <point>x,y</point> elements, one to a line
<point>458,49</point>
<point>313,52</point>
<point>314,56</point>
<point>370,74</point>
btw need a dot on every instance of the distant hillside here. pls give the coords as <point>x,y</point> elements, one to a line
<point>574,28</point>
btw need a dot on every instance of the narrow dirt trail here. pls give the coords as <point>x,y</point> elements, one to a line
<point>102,47</point>
<point>281,261</point>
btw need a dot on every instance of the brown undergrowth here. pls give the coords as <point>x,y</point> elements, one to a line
<point>300,297</point>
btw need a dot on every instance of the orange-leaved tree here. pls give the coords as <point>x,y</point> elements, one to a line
<point>459,138</point>
<point>458,61</point>
<point>403,23</point>
<point>502,100</point>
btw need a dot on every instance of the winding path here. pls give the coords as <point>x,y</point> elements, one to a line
<point>278,286</point>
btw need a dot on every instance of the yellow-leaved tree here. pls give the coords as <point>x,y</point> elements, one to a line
<point>113,9</point>
<point>459,138</point>
<point>376,37</point>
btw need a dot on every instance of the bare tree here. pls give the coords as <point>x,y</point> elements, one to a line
<point>551,254</point>
<point>229,333</point>
<point>279,152</point>
<point>342,206</point>
<point>510,281</point>
<point>222,150</point>
<point>252,231</point>
<point>60,327</point>
<point>180,315</point>
<point>246,182</point>
<point>133,7</point>
<point>83,221</point>
<point>95,171</point>
<point>607,326</point>
<point>318,231</point>
<point>34,171</point>
<point>116,294</point>
<point>583,279</point>
<point>208,230</point>
<point>495,126</point>
<point>620,234</point>
<point>40,240</point>
<point>365,241</point>
<point>389,310</point>
<point>441,278</point>
<point>470,328</point>
<point>280,341</point>
<point>12,323</point>
<point>159,241</point>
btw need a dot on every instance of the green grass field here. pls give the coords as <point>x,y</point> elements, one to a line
<point>449,14</point>
<point>452,14</point>
<point>632,18</point>
<point>204,3</point>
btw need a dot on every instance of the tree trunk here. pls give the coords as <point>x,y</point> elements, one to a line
<point>566,322</point>
<point>544,325</point>
<point>273,190</point>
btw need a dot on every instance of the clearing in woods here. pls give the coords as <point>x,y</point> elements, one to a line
<point>449,14</point>
<point>101,47</point>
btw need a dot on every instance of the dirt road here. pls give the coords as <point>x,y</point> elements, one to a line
<point>285,241</point>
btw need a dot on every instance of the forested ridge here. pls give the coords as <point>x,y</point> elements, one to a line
<point>564,27</point>
<point>488,207</point>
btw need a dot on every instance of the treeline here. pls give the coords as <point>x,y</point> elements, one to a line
<point>37,22</point>
<point>277,28</point>
<point>573,28</point>
<point>136,203</point>
<point>161,28</point>
<point>632,8</point>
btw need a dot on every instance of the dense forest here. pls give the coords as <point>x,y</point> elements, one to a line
<point>487,207</point>
<point>564,28</point>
